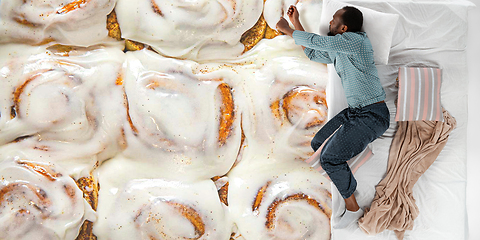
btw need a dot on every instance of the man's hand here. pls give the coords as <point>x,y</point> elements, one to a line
<point>283,27</point>
<point>292,13</point>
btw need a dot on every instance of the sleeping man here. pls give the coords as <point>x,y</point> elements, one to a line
<point>365,119</point>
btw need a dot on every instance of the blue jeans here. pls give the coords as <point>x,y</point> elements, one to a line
<point>353,129</point>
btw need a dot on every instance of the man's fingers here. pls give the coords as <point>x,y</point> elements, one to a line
<point>291,10</point>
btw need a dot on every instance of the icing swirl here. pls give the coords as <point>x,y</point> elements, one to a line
<point>37,201</point>
<point>54,103</point>
<point>74,22</point>
<point>180,119</point>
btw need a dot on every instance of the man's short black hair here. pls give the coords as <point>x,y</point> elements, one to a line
<point>353,18</point>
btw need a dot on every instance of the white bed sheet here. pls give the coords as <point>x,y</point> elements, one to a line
<point>473,141</point>
<point>429,33</point>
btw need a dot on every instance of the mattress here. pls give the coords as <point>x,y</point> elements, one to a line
<point>437,38</point>
<point>148,134</point>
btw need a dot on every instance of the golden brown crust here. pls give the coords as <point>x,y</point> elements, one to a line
<point>90,188</point>
<point>271,33</point>
<point>86,232</point>
<point>113,27</point>
<point>131,45</point>
<point>251,37</point>
<point>62,50</point>
<point>222,187</point>
<point>223,193</point>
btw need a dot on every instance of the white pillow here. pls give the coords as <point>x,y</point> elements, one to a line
<point>378,26</point>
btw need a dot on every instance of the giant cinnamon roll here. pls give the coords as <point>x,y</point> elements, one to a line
<point>65,103</point>
<point>281,201</point>
<point>72,22</point>
<point>206,29</point>
<point>134,205</point>
<point>287,106</point>
<point>38,201</point>
<point>178,120</point>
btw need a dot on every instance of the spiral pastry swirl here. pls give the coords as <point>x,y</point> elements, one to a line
<point>73,22</point>
<point>298,101</point>
<point>199,29</point>
<point>180,119</point>
<point>140,208</point>
<point>288,106</point>
<point>61,100</point>
<point>37,201</point>
<point>289,202</point>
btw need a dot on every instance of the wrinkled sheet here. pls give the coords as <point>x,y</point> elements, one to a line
<point>415,147</point>
<point>429,33</point>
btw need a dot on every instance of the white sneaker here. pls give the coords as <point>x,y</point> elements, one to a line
<point>348,218</point>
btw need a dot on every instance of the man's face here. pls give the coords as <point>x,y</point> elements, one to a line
<point>336,25</point>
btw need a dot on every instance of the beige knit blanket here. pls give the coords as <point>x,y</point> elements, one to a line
<point>415,147</point>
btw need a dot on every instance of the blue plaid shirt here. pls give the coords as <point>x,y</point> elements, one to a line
<point>352,55</point>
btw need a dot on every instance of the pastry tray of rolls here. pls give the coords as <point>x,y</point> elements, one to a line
<point>159,119</point>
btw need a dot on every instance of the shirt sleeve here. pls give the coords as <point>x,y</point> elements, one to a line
<point>338,43</point>
<point>318,56</point>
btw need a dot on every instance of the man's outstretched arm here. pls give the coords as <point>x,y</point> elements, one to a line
<point>282,26</point>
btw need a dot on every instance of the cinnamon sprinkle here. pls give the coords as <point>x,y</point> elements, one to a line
<point>156,9</point>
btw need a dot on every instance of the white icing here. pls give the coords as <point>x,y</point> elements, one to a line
<point>174,105</point>
<point>23,213</point>
<point>193,29</point>
<point>84,25</point>
<point>176,115</point>
<point>133,206</point>
<point>293,219</point>
<point>309,11</point>
<point>68,107</point>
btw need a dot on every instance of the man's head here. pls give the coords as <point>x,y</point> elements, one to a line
<point>347,19</point>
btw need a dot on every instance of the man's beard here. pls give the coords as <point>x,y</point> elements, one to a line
<point>330,34</point>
